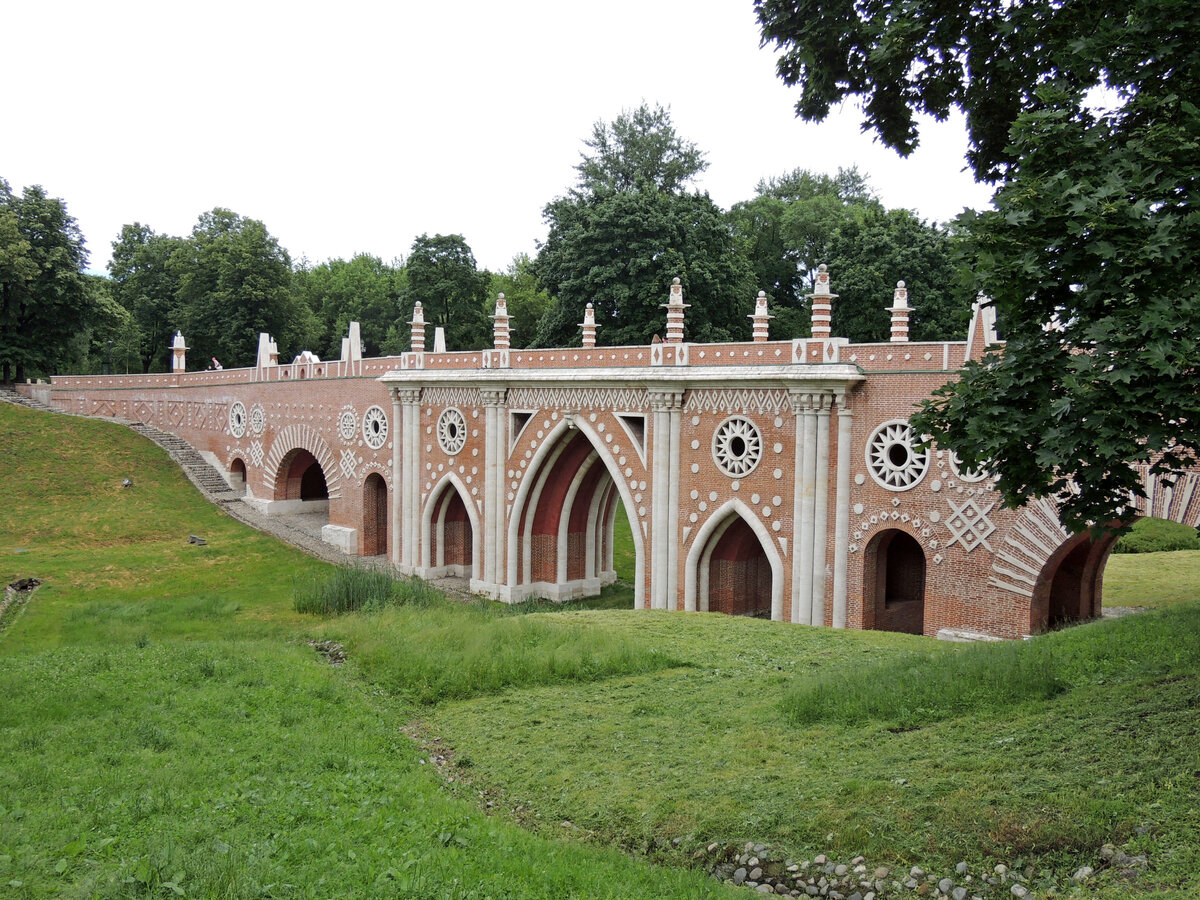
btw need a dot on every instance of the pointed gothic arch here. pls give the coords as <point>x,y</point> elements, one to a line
<point>725,536</point>
<point>451,533</point>
<point>555,495</point>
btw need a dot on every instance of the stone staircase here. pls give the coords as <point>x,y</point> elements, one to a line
<point>10,395</point>
<point>197,469</point>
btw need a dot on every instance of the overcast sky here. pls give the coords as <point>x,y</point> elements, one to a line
<point>354,127</point>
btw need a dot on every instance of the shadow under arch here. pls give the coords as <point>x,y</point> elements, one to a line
<point>1070,585</point>
<point>435,538</point>
<point>541,465</point>
<point>894,569</point>
<point>709,537</point>
<point>375,515</point>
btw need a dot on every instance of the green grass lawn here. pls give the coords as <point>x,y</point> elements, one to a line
<point>167,731</point>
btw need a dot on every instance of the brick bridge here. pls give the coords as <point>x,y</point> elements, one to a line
<point>768,478</point>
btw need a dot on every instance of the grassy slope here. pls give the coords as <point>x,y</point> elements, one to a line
<point>160,715</point>
<point>164,728</point>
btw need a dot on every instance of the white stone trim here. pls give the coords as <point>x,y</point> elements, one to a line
<point>705,536</point>
<point>430,567</point>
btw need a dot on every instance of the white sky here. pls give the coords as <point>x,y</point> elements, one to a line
<point>356,126</point>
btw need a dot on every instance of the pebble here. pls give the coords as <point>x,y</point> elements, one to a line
<point>946,885</point>
<point>1001,869</point>
<point>739,876</point>
<point>959,893</point>
<point>961,868</point>
<point>1019,891</point>
<point>755,874</point>
<point>882,872</point>
<point>819,859</point>
<point>1083,873</point>
<point>765,889</point>
<point>839,871</point>
<point>916,872</point>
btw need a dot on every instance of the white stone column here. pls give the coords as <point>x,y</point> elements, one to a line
<point>663,403</point>
<point>495,521</point>
<point>841,516</point>
<point>820,510</point>
<point>397,479</point>
<point>675,425</point>
<point>410,476</point>
<point>805,508</point>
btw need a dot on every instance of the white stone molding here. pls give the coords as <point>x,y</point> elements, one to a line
<point>892,458</point>
<point>301,437</point>
<point>237,419</point>
<point>577,398</point>
<point>348,425</point>
<point>757,400</point>
<point>552,444</point>
<point>706,538</point>
<point>443,395</point>
<point>969,525</point>
<point>258,420</point>
<point>737,446</point>
<point>841,526</point>
<point>375,427</point>
<point>449,481</point>
<point>1028,544</point>
<point>820,512</point>
<point>451,431</point>
<point>802,538</point>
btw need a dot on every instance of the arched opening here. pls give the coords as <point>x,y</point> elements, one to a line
<point>1070,585</point>
<point>302,494</point>
<point>561,540</point>
<point>894,583</point>
<point>237,475</point>
<point>451,543</point>
<point>375,516</point>
<point>736,576</point>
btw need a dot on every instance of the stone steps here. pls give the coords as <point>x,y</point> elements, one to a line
<point>198,470</point>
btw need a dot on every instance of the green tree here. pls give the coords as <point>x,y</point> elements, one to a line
<point>440,273</point>
<point>524,296</point>
<point>234,282</point>
<point>639,148</point>
<point>145,283</point>
<point>628,228</point>
<point>803,219</point>
<point>874,248</point>
<point>364,290</point>
<point>1085,115</point>
<point>44,300</point>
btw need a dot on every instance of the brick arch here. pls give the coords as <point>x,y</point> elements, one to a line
<point>708,538</point>
<point>301,437</point>
<point>450,482</point>
<point>895,573</point>
<point>527,496</point>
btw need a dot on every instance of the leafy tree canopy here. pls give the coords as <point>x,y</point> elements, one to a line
<point>44,300</point>
<point>1085,113</point>
<point>442,276</point>
<point>234,282</point>
<point>524,297</point>
<point>639,147</point>
<point>364,290</point>
<point>145,284</point>
<point>803,219</point>
<point>629,228</point>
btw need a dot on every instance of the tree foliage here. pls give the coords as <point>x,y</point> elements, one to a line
<point>44,300</point>
<point>525,298</point>
<point>628,229</point>
<point>1086,115</point>
<point>803,219</point>
<point>441,274</point>
<point>234,282</point>
<point>365,290</point>
<point>639,148</point>
<point>145,284</point>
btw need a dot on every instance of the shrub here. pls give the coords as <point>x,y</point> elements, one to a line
<point>1158,535</point>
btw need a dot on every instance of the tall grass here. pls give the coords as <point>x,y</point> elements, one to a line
<point>351,588</point>
<point>450,651</point>
<point>918,688</point>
